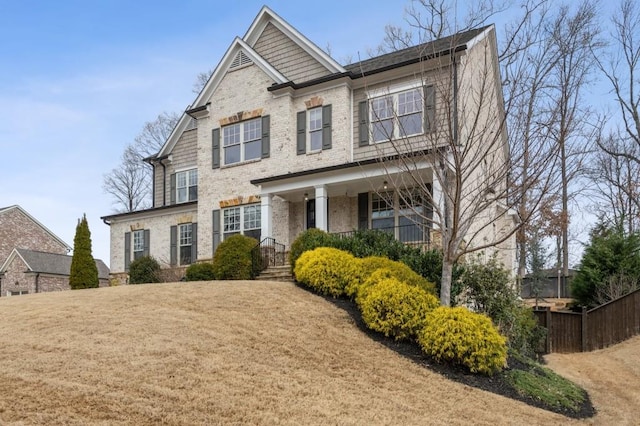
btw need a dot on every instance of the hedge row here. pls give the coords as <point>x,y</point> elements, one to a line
<point>396,301</point>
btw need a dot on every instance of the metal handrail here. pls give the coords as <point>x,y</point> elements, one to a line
<point>267,252</point>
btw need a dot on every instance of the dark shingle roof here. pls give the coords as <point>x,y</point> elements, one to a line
<point>57,264</point>
<point>428,49</point>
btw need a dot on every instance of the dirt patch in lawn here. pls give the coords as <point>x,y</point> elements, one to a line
<point>221,353</point>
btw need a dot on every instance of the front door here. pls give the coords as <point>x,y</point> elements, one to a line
<point>311,214</point>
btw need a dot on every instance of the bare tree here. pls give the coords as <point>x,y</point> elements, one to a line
<point>461,167</point>
<point>130,183</point>
<point>621,66</point>
<point>201,81</point>
<point>616,184</point>
<point>575,36</point>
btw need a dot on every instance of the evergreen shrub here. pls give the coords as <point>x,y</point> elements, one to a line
<point>200,272</point>
<point>324,270</point>
<point>308,240</point>
<point>376,268</point>
<point>144,270</point>
<point>396,309</point>
<point>232,260</point>
<point>459,336</point>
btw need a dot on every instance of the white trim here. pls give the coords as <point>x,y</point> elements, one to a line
<point>267,15</point>
<point>477,39</point>
<point>395,88</point>
<point>10,259</point>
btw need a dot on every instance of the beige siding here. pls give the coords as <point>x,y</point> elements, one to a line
<point>287,57</point>
<point>183,156</point>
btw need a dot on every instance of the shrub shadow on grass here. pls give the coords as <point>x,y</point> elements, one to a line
<point>497,384</point>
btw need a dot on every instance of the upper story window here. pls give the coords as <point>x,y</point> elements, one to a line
<point>242,141</point>
<point>396,115</point>
<point>187,186</point>
<point>314,129</point>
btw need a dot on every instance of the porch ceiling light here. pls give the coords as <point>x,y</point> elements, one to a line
<point>306,196</point>
<point>384,184</point>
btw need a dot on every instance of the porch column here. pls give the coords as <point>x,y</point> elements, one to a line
<point>266,216</point>
<point>321,208</point>
<point>438,200</point>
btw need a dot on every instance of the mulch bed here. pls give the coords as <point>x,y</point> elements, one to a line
<point>496,384</point>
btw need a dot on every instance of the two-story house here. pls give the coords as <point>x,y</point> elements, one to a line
<point>283,138</point>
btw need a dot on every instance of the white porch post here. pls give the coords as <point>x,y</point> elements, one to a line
<point>438,200</point>
<point>266,218</point>
<point>321,208</point>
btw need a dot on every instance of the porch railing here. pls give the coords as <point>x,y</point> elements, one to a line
<point>411,235</point>
<point>267,252</point>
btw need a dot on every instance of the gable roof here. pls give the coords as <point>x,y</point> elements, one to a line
<point>50,263</point>
<point>245,45</point>
<point>34,220</point>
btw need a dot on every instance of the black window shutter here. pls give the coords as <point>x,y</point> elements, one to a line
<point>172,188</point>
<point>266,122</point>
<point>147,234</point>
<point>363,210</point>
<point>194,242</point>
<point>127,250</point>
<point>173,255</point>
<point>326,127</point>
<point>301,132</point>
<point>215,148</point>
<point>363,112</point>
<point>429,108</point>
<point>216,230</point>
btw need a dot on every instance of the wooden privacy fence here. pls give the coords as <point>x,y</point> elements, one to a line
<point>594,329</point>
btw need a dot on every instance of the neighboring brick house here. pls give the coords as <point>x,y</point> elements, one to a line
<point>283,138</point>
<point>32,258</point>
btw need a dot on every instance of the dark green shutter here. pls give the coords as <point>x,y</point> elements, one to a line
<point>326,127</point>
<point>363,116</point>
<point>216,230</point>
<point>363,210</point>
<point>429,108</point>
<point>266,122</point>
<point>194,242</point>
<point>127,250</point>
<point>172,188</point>
<point>215,148</point>
<point>173,238</point>
<point>147,234</point>
<point>301,133</point>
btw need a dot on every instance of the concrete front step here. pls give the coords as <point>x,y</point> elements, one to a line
<point>276,273</point>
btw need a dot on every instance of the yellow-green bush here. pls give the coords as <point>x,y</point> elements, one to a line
<point>460,336</point>
<point>324,270</point>
<point>396,309</point>
<point>362,275</point>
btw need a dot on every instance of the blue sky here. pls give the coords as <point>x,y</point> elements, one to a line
<point>78,79</point>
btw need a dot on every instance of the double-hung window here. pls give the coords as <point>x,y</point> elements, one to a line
<point>315,129</point>
<point>400,214</point>
<point>187,186</point>
<point>138,244</point>
<point>401,114</point>
<point>242,220</point>
<point>185,242</point>
<point>242,141</point>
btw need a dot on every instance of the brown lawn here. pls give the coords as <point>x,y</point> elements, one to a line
<point>246,353</point>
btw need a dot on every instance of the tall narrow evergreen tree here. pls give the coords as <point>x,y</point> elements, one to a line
<point>84,272</point>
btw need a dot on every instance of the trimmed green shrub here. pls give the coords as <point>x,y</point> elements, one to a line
<point>200,272</point>
<point>459,336</point>
<point>428,263</point>
<point>396,309</point>
<point>371,242</point>
<point>375,268</point>
<point>324,270</point>
<point>232,260</point>
<point>310,239</point>
<point>144,270</point>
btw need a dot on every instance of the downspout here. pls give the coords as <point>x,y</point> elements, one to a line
<point>164,183</point>
<point>37,282</point>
